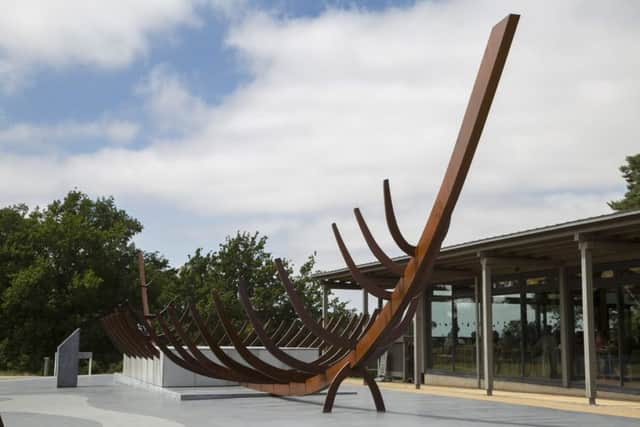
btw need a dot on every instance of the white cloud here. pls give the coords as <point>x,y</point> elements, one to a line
<point>341,101</point>
<point>170,104</point>
<point>105,34</point>
<point>51,138</point>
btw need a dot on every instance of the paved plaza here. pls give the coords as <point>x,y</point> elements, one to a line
<point>99,401</point>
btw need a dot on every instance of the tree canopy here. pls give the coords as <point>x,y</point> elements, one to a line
<point>66,265</point>
<point>59,267</point>
<point>631,174</point>
<point>243,256</point>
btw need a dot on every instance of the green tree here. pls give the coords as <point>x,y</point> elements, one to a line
<point>61,268</point>
<point>244,256</point>
<point>631,174</point>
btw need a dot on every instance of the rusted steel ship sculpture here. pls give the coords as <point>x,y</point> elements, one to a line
<point>348,343</point>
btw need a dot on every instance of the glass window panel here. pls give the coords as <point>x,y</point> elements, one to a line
<point>542,355</point>
<point>465,322</point>
<point>441,328</point>
<point>631,337</point>
<point>507,334</point>
<point>606,335</point>
<point>578,338</point>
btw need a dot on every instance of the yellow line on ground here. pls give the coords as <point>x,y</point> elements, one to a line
<point>621,408</point>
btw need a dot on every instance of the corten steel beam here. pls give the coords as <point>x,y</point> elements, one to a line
<point>352,349</point>
<point>416,275</point>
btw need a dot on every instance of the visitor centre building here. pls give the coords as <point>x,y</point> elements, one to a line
<point>555,308</point>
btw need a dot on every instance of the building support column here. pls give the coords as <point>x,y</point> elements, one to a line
<point>590,360</point>
<point>428,316</point>
<point>325,305</point>
<point>565,324</point>
<point>418,343</point>
<point>487,329</point>
<point>477,293</point>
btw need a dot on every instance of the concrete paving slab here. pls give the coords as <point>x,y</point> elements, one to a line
<point>100,400</point>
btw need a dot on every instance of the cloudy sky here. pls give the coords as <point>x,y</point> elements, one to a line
<point>203,117</point>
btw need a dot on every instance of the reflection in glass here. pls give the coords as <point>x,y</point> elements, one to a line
<point>631,344</point>
<point>441,328</point>
<point>507,334</point>
<point>543,335</point>
<point>465,328</point>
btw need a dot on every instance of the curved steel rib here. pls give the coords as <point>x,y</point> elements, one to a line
<point>256,340</point>
<point>277,374</point>
<point>366,283</point>
<point>283,341</point>
<point>279,354</point>
<point>304,315</point>
<point>215,370</point>
<point>129,336</point>
<point>130,323</point>
<point>186,360</point>
<point>279,331</point>
<point>393,267</point>
<point>392,223</point>
<point>249,373</point>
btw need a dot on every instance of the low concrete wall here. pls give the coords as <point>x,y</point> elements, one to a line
<point>162,372</point>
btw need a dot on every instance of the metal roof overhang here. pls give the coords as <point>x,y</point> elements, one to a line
<point>529,250</point>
